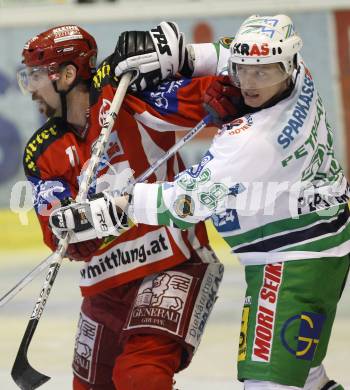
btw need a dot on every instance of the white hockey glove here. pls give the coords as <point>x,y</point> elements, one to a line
<point>152,55</point>
<point>96,217</point>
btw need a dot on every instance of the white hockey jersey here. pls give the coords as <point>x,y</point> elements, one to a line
<point>270,182</point>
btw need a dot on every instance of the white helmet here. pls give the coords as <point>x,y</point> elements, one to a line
<point>266,40</point>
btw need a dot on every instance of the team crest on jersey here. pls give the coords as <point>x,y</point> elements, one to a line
<point>184,206</point>
<point>104,110</point>
<point>160,301</point>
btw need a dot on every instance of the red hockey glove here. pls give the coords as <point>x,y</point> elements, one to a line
<point>83,251</point>
<point>223,100</point>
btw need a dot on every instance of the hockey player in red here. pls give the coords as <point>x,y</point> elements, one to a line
<point>147,293</point>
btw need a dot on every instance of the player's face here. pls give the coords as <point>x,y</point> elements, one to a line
<point>260,83</point>
<point>37,82</point>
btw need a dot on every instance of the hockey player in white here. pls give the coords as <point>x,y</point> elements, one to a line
<point>277,194</point>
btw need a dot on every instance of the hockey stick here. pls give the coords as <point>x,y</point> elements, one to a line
<point>175,148</point>
<point>24,375</point>
<point>25,280</point>
<point>44,264</point>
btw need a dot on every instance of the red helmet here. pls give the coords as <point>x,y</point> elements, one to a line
<point>59,45</point>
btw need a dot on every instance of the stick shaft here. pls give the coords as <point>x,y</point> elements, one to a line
<point>175,148</point>
<point>88,176</point>
<point>25,280</point>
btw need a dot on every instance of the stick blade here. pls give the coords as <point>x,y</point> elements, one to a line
<point>25,376</point>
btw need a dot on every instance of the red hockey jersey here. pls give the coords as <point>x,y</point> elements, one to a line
<point>143,131</point>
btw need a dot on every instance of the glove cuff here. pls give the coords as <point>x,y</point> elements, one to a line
<point>170,55</point>
<point>119,217</point>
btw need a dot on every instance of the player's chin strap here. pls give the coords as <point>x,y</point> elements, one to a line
<point>79,132</point>
<point>63,95</point>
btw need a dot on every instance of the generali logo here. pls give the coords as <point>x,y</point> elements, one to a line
<point>161,301</point>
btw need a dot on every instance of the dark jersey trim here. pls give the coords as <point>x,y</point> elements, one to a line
<point>318,230</point>
<point>52,130</point>
<point>104,76</point>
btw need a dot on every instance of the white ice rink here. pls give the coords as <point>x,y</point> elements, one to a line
<point>51,349</point>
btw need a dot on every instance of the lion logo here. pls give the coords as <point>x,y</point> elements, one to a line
<point>166,292</point>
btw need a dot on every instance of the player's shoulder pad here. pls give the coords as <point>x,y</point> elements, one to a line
<point>52,130</point>
<point>225,42</point>
<point>104,76</point>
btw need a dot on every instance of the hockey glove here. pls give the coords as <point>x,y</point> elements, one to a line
<point>152,55</point>
<point>83,251</point>
<point>223,100</point>
<point>96,217</point>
